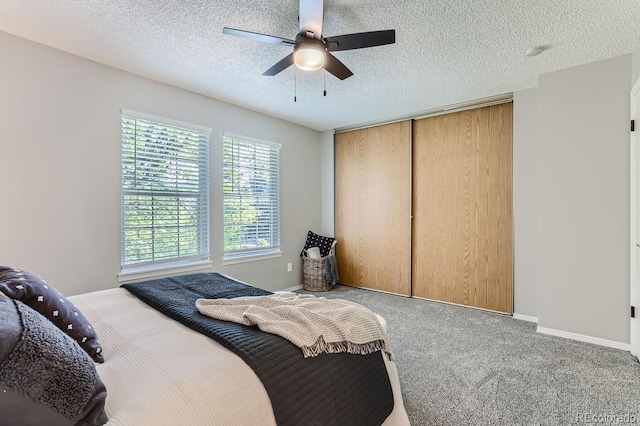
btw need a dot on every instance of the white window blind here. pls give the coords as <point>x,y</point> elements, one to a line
<point>165,192</point>
<point>251,196</point>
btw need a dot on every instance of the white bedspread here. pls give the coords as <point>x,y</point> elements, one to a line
<point>159,372</point>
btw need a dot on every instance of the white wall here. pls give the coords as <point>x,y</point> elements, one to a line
<point>525,202</point>
<point>328,184</point>
<point>635,63</point>
<point>583,210</point>
<point>60,167</point>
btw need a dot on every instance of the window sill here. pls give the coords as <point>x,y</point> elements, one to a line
<point>161,272</point>
<point>232,260</point>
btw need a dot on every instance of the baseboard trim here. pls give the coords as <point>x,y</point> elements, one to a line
<point>461,305</point>
<point>294,288</point>
<point>527,318</point>
<point>583,338</point>
<point>375,289</point>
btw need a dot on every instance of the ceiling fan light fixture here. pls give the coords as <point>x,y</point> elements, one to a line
<point>309,55</point>
<point>312,51</point>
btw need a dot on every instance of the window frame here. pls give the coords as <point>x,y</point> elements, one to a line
<point>181,264</point>
<point>251,254</point>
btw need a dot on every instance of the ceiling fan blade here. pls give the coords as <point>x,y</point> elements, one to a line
<point>335,67</point>
<point>311,13</point>
<point>257,36</point>
<point>285,63</point>
<point>360,40</point>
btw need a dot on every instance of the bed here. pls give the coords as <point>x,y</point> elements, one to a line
<point>160,372</point>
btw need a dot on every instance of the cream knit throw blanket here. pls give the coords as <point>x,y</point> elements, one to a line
<point>314,324</point>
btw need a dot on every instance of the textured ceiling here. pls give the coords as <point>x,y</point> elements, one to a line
<point>446,51</point>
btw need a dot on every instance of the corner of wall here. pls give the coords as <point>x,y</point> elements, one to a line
<point>327,182</point>
<point>525,203</point>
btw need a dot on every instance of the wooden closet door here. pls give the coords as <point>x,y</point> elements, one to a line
<point>373,196</point>
<point>462,191</point>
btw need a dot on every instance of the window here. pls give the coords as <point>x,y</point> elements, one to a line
<point>251,197</point>
<point>165,192</point>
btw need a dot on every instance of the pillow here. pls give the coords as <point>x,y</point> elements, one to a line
<point>45,377</point>
<point>44,298</point>
<point>315,240</point>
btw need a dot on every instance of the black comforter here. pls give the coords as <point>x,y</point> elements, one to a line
<point>330,389</point>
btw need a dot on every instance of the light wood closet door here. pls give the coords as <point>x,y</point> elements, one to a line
<point>373,207</point>
<point>462,207</point>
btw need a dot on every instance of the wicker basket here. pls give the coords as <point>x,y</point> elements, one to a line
<point>314,275</point>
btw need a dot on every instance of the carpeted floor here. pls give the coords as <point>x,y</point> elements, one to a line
<point>462,366</point>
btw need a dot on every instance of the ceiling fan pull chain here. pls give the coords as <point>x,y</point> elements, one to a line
<point>324,75</point>
<point>295,85</point>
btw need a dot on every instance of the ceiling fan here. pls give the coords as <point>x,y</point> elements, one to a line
<point>311,51</point>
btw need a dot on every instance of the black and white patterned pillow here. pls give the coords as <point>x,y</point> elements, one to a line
<point>42,297</point>
<point>315,240</point>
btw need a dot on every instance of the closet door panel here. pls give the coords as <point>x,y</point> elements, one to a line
<point>373,196</point>
<point>461,238</point>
